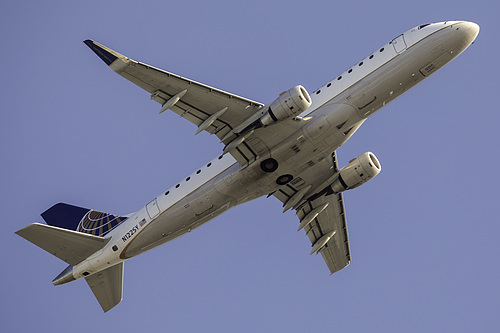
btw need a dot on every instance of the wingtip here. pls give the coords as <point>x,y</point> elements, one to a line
<point>107,55</point>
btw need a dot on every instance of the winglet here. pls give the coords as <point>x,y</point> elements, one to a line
<point>103,53</point>
<point>107,55</point>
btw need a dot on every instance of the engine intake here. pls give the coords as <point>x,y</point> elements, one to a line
<point>357,172</point>
<point>289,104</point>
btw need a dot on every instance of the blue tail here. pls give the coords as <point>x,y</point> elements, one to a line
<point>81,219</point>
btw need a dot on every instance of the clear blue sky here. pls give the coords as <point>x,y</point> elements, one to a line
<point>423,234</point>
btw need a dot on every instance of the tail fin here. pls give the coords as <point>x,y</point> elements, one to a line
<point>74,234</point>
<point>80,219</point>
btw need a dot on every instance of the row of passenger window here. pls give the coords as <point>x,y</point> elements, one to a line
<point>197,172</point>
<point>349,71</point>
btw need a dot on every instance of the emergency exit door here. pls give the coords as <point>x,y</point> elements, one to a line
<point>399,44</point>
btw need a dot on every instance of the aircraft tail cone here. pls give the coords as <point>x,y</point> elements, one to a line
<point>64,277</point>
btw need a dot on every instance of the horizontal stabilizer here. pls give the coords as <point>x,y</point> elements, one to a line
<point>70,246</point>
<point>107,286</point>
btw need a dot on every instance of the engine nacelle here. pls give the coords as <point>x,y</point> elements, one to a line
<point>289,104</point>
<point>357,172</point>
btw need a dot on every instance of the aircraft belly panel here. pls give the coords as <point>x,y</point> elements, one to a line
<point>187,214</point>
<point>159,228</point>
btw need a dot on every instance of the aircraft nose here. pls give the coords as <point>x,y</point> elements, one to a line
<point>461,35</point>
<point>472,29</point>
<point>469,32</point>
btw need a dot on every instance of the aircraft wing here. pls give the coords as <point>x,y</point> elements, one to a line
<point>197,103</point>
<point>330,221</point>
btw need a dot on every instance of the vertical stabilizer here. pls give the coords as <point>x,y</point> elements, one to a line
<point>80,219</point>
<point>74,234</point>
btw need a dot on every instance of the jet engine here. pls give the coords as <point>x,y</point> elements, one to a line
<point>357,172</point>
<point>289,104</point>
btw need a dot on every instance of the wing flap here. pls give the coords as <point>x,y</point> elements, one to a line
<point>336,251</point>
<point>201,100</point>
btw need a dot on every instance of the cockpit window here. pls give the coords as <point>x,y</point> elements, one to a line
<point>423,26</point>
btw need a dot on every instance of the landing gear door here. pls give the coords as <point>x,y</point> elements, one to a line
<point>399,44</point>
<point>152,209</point>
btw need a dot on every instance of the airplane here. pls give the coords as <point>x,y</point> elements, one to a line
<point>286,149</point>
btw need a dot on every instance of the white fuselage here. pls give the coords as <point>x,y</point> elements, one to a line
<point>338,109</point>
